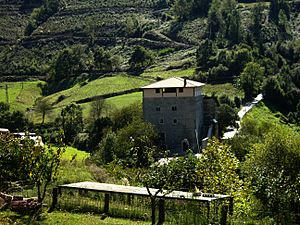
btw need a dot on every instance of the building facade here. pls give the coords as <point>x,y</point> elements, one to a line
<point>175,107</point>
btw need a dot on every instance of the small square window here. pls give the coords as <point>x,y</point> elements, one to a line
<point>174,108</point>
<point>161,121</point>
<point>157,90</point>
<point>180,90</point>
<point>157,109</point>
<point>175,121</point>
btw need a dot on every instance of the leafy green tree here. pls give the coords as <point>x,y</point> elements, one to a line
<point>106,151</point>
<point>251,79</point>
<point>99,129</point>
<point>98,107</point>
<point>283,26</point>
<point>216,26</point>
<point>205,50</point>
<point>14,121</point>
<point>183,8</point>
<point>217,169</point>
<point>140,59</point>
<point>273,169</point>
<point>226,116</point>
<point>43,106</point>
<point>72,121</point>
<point>169,176</point>
<point>22,160</point>
<point>234,31</point>
<point>124,116</point>
<point>136,144</point>
<point>275,7</point>
<point>103,60</point>
<point>69,63</point>
<point>257,23</point>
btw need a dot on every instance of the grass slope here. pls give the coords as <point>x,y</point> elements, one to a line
<point>98,87</point>
<point>21,95</point>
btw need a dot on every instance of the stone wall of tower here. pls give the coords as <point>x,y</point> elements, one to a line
<point>176,117</point>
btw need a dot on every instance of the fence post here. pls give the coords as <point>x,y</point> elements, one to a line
<point>106,203</point>
<point>161,210</point>
<point>208,211</point>
<point>231,206</point>
<point>54,199</point>
<point>224,211</point>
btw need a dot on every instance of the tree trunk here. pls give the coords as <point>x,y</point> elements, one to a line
<point>153,210</point>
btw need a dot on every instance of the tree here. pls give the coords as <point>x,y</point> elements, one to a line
<point>205,50</point>
<point>234,29</point>
<point>124,116</point>
<point>226,116</point>
<point>14,121</point>
<point>275,7</point>
<point>136,144</point>
<point>217,169</point>
<point>72,121</point>
<point>140,58</point>
<point>98,131</point>
<point>183,8</point>
<point>251,79</point>
<point>273,168</point>
<point>97,108</point>
<point>106,151</point>
<point>22,160</point>
<point>43,106</point>
<point>70,62</point>
<point>215,21</point>
<point>257,23</point>
<point>169,176</point>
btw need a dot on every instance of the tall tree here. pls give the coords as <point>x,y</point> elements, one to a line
<point>72,121</point>
<point>273,168</point>
<point>251,79</point>
<point>43,106</point>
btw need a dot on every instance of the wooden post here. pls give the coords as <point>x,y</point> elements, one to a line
<point>224,210</point>
<point>54,199</point>
<point>106,203</point>
<point>129,196</point>
<point>231,206</point>
<point>208,211</point>
<point>161,208</point>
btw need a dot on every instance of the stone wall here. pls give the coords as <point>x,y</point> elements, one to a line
<point>177,118</point>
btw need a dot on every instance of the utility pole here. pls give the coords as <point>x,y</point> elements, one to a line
<point>6,93</point>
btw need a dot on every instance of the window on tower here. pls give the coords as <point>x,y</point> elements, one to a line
<point>170,90</point>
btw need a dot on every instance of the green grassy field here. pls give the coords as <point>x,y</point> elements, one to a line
<point>65,218</point>
<point>21,95</point>
<point>222,89</point>
<point>169,73</point>
<point>98,87</point>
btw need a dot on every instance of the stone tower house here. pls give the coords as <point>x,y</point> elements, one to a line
<point>175,107</point>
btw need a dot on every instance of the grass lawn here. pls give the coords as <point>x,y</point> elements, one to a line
<point>71,152</point>
<point>169,73</point>
<point>98,87</point>
<point>21,95</point>
<point>221,89</point>
<point>65,218</point>
<point>73,168</point>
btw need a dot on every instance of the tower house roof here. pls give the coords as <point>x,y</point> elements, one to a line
<point>174,82</point>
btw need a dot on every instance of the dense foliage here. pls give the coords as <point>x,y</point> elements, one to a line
<point>24,161</point>
<point>14,121</point>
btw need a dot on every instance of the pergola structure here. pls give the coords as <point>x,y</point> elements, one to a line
<point>108,189</point>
